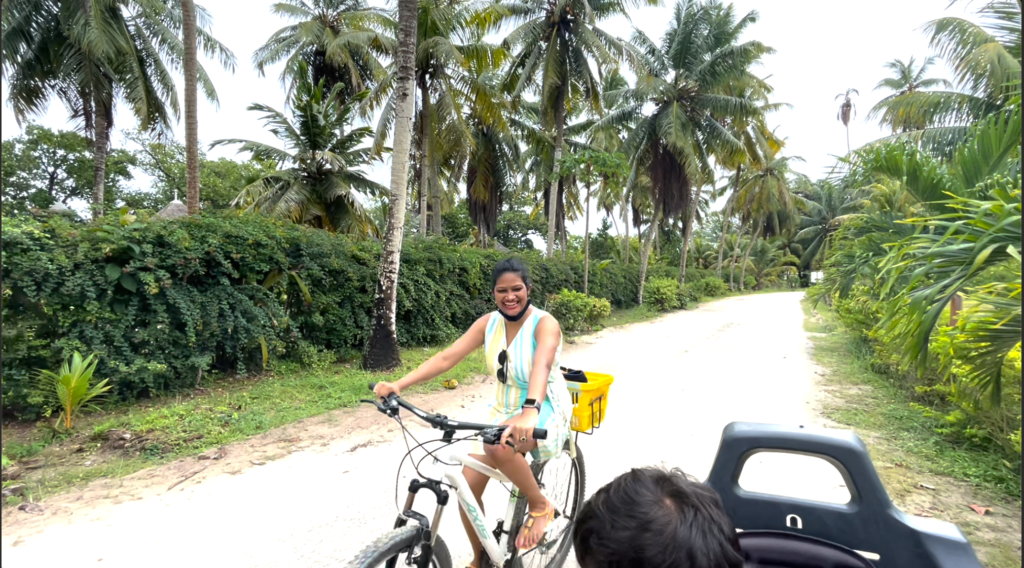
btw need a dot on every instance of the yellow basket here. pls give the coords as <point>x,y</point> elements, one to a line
<point>590,401</point>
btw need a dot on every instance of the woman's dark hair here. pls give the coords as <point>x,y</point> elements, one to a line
<point>653,518</point>
<point>510,265</point>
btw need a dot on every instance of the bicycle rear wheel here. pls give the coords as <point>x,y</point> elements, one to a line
<point>563,480</point>
<point>393,549</point>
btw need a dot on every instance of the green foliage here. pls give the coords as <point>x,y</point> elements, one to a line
<point>689,294</point>
<point>43,167</point>
<point>712,286</point>
<point>162,300</point>
<point>662,294</point>
<point>575,311</point>
<point>73,388</point>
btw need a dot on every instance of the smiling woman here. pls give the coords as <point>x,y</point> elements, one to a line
<point>522,346</point>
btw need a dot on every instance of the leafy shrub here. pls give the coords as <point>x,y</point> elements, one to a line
<point>688,294</point>
<point>749,282</point>
<point>661,294</point>
<point>712,287</point>
<point>161,300</point>
<point>575,311</point>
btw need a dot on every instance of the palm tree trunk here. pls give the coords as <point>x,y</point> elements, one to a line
<point>188,32</point>
<point>687,233</point>
<point>847,138</point>
<point>553,192</point>
<point>586,246</point>
<point>381,351</point>
<point>725,223</point>
<point>562,239</point>
<point>625,224</point>
<point>431,171</point>
<point>645,253</point>
<point>425,218</point>
<point>101,142</point>
<point>746,257</point>
<point>735,253</point>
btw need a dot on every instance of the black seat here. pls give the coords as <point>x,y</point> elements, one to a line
<point>869,522</point>
<point>776,549</point>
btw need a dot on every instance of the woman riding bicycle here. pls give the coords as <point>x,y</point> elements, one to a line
<point>522,346</point>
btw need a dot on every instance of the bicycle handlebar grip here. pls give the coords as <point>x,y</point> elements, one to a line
<point>373,386</point>
<point>540,434</point>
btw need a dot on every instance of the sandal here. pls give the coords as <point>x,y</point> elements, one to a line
<point>531,518</point>
<point>450,384</point>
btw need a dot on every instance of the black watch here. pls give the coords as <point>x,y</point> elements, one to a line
<point>531,403</point>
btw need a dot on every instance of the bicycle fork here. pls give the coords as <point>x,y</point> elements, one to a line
<point>422,550</point>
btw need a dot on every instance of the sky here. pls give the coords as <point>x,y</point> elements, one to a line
<point>823,47</point>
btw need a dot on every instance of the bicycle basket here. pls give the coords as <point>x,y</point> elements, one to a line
<point>589,399</point>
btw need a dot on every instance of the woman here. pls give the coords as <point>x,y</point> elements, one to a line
<point>522,345</point>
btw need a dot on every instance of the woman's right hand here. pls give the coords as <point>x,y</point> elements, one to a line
<point>384,390</point>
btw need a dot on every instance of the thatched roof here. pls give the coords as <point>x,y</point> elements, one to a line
<point>174,210</point>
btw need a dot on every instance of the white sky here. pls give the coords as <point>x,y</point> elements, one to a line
<point>822,48</point>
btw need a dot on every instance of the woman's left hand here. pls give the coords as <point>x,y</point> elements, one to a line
<point>520,428</point>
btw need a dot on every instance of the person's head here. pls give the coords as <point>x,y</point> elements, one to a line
<point>510,282</point>
<point>655,518</point>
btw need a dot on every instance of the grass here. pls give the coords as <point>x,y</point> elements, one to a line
<point>234,410</point>
<point>891,419</point>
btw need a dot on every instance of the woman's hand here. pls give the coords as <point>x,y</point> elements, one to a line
<point>520,429</point>
<point>384,390</point>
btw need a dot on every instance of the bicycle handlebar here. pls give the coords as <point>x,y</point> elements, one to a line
<point>441,422</point>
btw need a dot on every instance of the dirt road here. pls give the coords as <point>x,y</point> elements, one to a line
<point>679,381</point>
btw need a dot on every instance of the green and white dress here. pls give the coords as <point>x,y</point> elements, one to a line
<point>556,409</point>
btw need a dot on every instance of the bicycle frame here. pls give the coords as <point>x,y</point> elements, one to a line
<point>494,545</point>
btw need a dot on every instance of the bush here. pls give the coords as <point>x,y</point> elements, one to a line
<point>160,301</point>
<point>575,311</point>
<point>749,282</point>
<point>661,294</point>
<point>688,295</point>
<point>712,287</point>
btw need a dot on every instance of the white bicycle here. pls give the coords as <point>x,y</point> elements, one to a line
<point>561,480</point>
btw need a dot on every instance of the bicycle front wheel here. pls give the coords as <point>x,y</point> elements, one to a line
<point>394,549</point>
<point>563,479</point>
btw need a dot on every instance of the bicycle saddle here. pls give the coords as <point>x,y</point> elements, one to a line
<point>777,549</point>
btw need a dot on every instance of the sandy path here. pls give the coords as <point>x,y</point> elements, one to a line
<point>679,381</point>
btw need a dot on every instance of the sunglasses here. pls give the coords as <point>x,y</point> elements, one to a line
<point>503,361</point>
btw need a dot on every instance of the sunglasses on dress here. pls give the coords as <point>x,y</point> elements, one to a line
<point>503,371</point>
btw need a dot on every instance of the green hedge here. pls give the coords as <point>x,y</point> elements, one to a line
<point>161,300</point>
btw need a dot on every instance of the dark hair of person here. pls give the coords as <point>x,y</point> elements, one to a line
<point>655,518</point>
<point>510,265</point>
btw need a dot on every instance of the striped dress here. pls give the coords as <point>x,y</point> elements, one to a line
<point>556,410</point>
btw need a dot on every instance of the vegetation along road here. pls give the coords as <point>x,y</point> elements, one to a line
<point>332,490</point>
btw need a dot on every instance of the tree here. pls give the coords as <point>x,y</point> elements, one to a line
<point>825,207</point>
<point>845,111</point>
<point>91,53</point>
<point>555,46</point>
<point>764,200</point>
<point>592,167</point>
<point>163,161</point>
<point>382,349</point>
<point>188,36</point>
<point>319,178</point>
<point>906,79</point>
<point>43,167</point>
<point>685,79</point>
<point>339,41</point>
<point>986,62</point>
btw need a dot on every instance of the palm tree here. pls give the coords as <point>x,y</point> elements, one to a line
<point>319,180</point>
<point>382,348</point>
<point>985,59</point>
<point>339,41</point>
<point>555,45</point>
<point>91,53</point>
<point>770,260</point>
<point>685,79</point>
<point>188,37</point>
<point>825,206</point>
<point>764,200</point>
<point>906,79</point>
<point>845,110</point>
